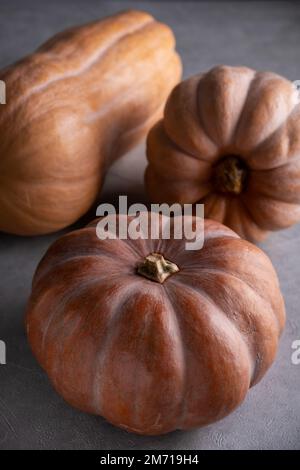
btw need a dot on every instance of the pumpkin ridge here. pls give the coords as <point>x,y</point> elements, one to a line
<point>273,198</point>
<point>215,199</point>
<point>217,312</point>
<point>246,99</point>
<point>67,335</point>
<point>207,298</point>
<point>168,177</point>
<point>252,339</point>
<point>58,310</point>
<point>168,307</point>
<point>221,99</point>
<point>284,205</point>
<point>34,90</point>
<point>111,334</point>
<point>228,210</point>
<point>260,79</point>
<point>290,161</point>
<point>252,287</point>
<point>69,237</point>
<point>59,259</point>
<point>233,208</point>
<point>171,132</point>
<point>250,214</point>
<point>284,200</point>
<point>200,120</point>
<point>181,149</point>
<point>245,104</point>
<point>153,162</point>
<point>96,115</point>
<point>93,116</point>
<point>175,317</point>
<point>63,263</point>
<point>246,208</point>
<point>100,113</point>
<point>124,293</point>
<point>274,132</point>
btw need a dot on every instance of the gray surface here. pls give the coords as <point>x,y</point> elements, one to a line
<point>263,35</point>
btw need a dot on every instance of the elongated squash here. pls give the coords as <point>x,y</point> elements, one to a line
<point>79,102</point>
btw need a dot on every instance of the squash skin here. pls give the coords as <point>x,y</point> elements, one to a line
<point>230,111</point>
<point>148,357</point>
<point>79,102</point>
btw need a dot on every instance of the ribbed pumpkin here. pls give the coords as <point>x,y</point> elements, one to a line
<point>230,138</point>
<point>80,101</point>
<point>149,335</point>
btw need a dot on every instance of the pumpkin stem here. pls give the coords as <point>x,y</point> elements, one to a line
<point>157,268</point>
<point>230,175</point>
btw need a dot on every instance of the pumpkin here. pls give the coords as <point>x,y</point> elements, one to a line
<point>230,138</point>
<point>79,102</point>
<point>149,335</point>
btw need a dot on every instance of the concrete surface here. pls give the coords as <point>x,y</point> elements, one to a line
<point>263,35</point>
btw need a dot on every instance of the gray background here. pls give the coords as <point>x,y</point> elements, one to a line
<point>263,35</point>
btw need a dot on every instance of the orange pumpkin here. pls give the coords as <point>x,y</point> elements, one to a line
<point>149,335</point>
<point>79,102</point>
<point>230,138</point>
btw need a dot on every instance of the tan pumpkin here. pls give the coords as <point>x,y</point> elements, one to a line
<point>150,335</point>
<point>230,138</point>
<point>80,101</point>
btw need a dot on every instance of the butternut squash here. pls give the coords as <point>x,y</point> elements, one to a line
<point>79,102</point>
